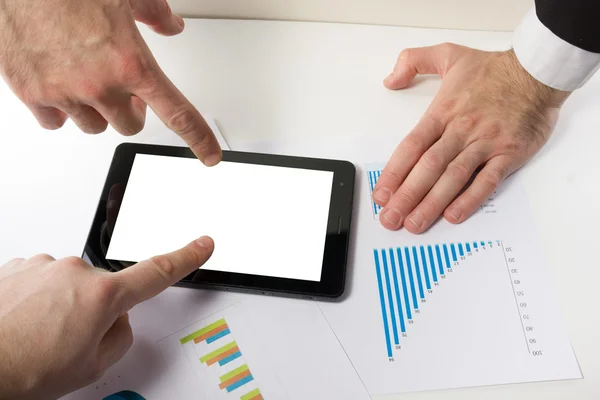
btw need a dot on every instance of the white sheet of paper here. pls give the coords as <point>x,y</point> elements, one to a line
<point>287,345</point>
<point>492,320</point>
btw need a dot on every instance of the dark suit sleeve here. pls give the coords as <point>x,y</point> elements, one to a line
<point>574,21</point>
<point>558,42</point>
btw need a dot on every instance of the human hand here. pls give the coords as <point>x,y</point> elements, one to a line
<point>488,118</point>
<point>63,322</point>
<point>86,60</point>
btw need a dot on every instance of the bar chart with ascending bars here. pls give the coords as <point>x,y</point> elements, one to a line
<point>406,275</point>
<point>221,354</point>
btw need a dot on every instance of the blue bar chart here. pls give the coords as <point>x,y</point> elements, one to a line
<point>373,177</point>
<point>407,274</point>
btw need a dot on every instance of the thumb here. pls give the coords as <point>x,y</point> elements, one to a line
<point>421,60</point>
<point>158,16</point>
<point>147,279</point>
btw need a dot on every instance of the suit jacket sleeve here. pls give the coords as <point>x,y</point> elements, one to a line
<point>558,42</point>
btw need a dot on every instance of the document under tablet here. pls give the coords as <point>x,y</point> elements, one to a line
<point>265,220</point>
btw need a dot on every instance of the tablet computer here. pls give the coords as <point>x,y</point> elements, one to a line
<point>281,224</point>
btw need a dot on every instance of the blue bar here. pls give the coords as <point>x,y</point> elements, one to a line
<point>218,336</point>
<point>425,268</point>
<point>483,243</point>
<point>447,257</point>
<point>418,271</point>
<point>468,247</point>
<point>410,276</point>
<point>490,243</point>
<point>453,252</point>
<point>239,383</point>
<point>432,263</point>
<point>474,245</point>
<point>460,250</point>
<point>439,258</point>
<point>371,184</point>
<point>230,358</point>
<point>404,286</point>
<point>382,299</point>
<point>389,293</point>
<point>395,275</point>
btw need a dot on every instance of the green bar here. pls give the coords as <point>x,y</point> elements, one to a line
<point>202,331</point>
<point>218,351</point>
<point>250,395</point>
<point>233,373</point>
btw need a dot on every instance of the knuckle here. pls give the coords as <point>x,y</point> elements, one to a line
<point>491,178</point>
<point>163,266</point>
<point>466,123</point>
<point>458,171</point>
<point>405,198</point>
<point>134,68</point>
<point>73,261</point>
<point>405,54</point>
<point>411,145</point>
<point>105,289</point>
<point>447,47</point>
<point>42,258</point>
<point>182,121</point>
<point>432,162</point>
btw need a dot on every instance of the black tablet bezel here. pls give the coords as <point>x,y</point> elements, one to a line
<point>335,256</point>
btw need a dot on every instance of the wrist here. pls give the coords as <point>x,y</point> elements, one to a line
<point>534,92</point>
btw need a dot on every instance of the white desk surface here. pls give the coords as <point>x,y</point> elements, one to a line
<point>282,80</point>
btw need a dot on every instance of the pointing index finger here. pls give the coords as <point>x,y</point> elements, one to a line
<point>149,278</point>
<point>179,115</point>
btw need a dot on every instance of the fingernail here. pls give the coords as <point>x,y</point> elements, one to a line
<point>416,219</point>
<point>180,21</point>
<point>455,214</point>
<point>205,242</point>
<point>392,216</point>
<point>382,195</point>
<point>212,160</point>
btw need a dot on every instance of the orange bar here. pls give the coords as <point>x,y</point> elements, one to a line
<point>210,333</point>
<point>234,379</point>
<point>257,397</point>
<point>223,355</point>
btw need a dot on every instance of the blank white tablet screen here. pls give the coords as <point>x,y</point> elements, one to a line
<point>265,220</point>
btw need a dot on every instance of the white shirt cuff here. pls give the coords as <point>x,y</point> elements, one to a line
<point>550,59</point>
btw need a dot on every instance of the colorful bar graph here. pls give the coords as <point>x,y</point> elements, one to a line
<point>234,376</point>
<point>218,336</point>
<point>239,383</point>
<point>206,332</point>
<point>221,353</point>
<point>397,290</point>
<point>253,395</point>
<point>230,358</point>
